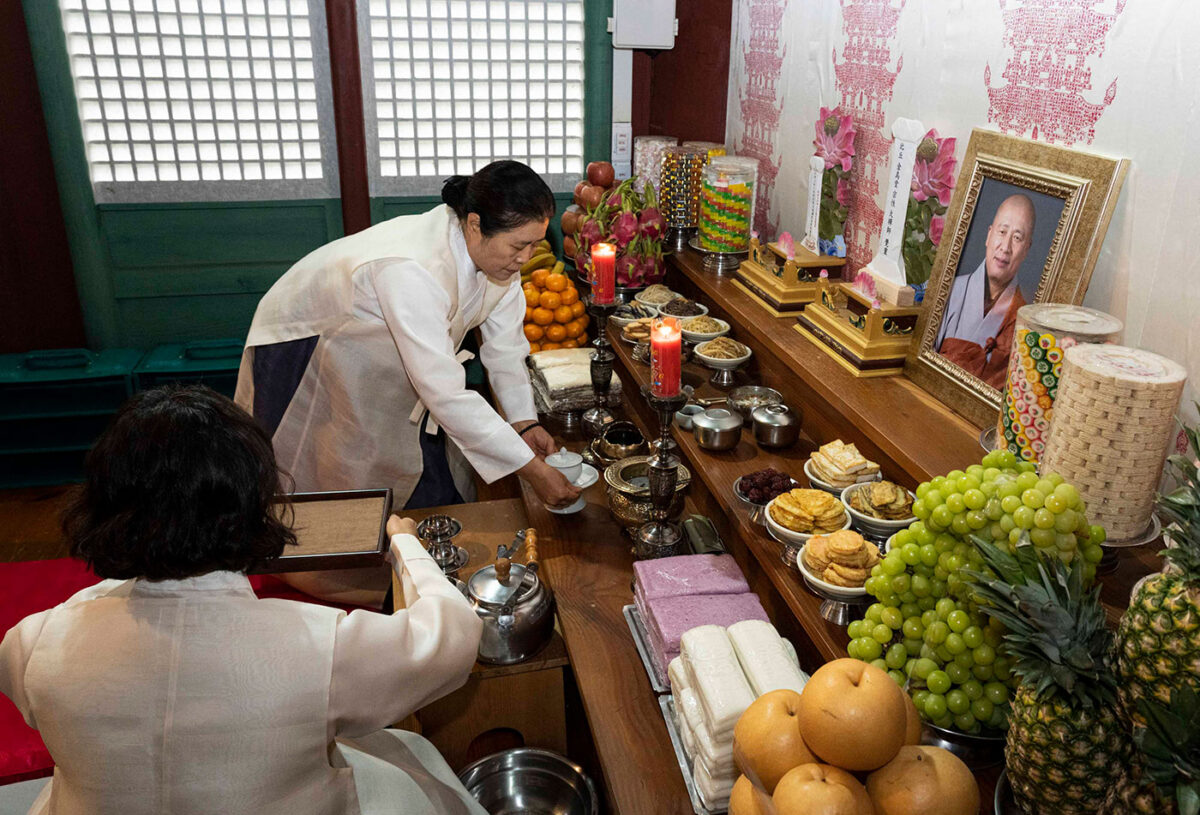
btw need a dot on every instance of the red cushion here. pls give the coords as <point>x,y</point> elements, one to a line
<point>36,585</point>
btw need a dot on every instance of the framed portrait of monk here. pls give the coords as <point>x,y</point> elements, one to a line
<point>1025,225</point>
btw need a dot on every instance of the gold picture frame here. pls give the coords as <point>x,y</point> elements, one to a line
<point>1082,187</point>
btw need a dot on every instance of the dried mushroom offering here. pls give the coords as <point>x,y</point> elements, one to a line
<point>883,500</point>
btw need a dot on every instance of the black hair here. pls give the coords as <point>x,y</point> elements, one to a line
<point>504,194</point>
<point>182,482</point>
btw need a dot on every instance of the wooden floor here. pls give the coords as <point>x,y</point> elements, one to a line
<point>29,528</point>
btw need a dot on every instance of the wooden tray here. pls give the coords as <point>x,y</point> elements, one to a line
<point>344,529</point>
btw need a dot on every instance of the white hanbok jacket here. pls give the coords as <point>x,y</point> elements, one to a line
<point>194,696</point>
<point>391,306</point>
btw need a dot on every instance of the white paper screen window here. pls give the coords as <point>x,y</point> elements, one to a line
<point>203,100</point>
<point>450,85</point>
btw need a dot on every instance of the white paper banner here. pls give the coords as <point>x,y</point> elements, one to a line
<point>888,263</point>
<point>816,170</point>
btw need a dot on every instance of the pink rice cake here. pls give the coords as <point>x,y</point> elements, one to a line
<point>688,574</point>
<point>670,617</point>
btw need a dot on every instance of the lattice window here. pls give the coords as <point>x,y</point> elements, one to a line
<point>449,85</point>
<point>203,99</point>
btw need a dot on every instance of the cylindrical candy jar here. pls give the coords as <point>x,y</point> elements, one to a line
<point>679,185</point>
<point>1111,430</point>
<point>1044,332</point>
<point>647,156</point>
<point>711,148</point>
<point>727,200</point>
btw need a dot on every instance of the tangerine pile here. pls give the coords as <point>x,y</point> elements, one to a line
<point>554,314</point>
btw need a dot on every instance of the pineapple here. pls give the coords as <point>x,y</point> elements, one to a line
<point>1065,739</point>
<point>1165,779</point>
<point>1158,640</point>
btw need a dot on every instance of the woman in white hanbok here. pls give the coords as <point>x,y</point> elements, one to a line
<point>169,687</point>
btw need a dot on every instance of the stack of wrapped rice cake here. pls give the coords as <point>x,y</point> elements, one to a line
<point>718,674</point>
<point>675,594</point>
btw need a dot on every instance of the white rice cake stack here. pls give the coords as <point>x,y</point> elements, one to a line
<point>764,657</point>
<point>718,679</point>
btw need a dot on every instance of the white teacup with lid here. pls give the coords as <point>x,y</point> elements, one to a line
<point>568,463</point>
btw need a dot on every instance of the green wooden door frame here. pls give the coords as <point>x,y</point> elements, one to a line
<point>186,298</point>
<point>93,278</point>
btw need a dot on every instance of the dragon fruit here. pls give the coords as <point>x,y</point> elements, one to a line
<point>590,233</point>
<point>627,270</point>
<point>651,224</point>
<point>624,228</point>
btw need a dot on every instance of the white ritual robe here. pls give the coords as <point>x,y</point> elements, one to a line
<point>964,318</point>
<point>193,696</point>
<point>390,306</point>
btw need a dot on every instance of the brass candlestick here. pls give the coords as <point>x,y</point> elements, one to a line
<point>658,537</point>
<point>598,417</point>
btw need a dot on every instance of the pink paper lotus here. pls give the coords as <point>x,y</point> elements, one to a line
<point>787,243</point>
<point>835,139</point>
<point>843,192</point>
<point>824,274</point>
<point>864,281</point>
<point>933,174</point>
<point>936,224</point>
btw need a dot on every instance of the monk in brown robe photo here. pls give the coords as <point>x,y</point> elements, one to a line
<point>977,330</point>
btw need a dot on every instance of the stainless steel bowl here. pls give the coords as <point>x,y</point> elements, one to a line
<point>717,429</point>
<point>776,425</point>
<point>748,397</point>
<point>976,752</point>
<point>530,782</point>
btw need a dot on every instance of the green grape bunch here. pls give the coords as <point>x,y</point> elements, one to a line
<point>924,629</point>
<point>1002,498</point>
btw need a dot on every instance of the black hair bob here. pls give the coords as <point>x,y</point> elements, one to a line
<point>182,482</point>
<point>504,194</point>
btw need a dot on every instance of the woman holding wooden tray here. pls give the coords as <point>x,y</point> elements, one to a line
<point>169,687</point>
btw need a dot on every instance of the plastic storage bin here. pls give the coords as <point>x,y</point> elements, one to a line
<point>206,362</point>
<point>53,405</point>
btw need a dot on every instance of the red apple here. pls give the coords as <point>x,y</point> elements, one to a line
<point>601,173</point>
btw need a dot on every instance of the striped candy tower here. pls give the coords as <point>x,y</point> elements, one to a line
<point>727,198</point>
<point>1044,332</point>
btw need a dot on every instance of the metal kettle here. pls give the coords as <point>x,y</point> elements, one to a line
<point>516,607</point>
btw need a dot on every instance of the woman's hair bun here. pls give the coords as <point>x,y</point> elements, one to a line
<point>454,192</point>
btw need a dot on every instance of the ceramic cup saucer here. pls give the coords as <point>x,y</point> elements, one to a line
<point>587,477</point>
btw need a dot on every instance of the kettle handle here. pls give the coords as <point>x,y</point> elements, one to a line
<point>531,552</point>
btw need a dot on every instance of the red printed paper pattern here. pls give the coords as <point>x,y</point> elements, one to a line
<point>760,108</point>
<point>865,82</point>
<point>1048,77</point>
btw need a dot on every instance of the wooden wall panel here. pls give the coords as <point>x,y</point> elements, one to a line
<point>39,307</point>
<point>682,92</point>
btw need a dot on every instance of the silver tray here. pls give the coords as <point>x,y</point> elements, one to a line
<point>667,705</point>
<point>637,629</point>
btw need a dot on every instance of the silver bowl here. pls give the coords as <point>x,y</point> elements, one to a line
<point>530,782</point>
<point>717,429</point>
<point>746,398</point>
<point>976,752</point>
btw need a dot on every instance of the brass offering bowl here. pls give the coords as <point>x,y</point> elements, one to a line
<point>629,492</point>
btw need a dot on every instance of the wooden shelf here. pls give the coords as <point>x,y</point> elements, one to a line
<point>716,472</point>
<point>912,435</point>
<point>588,563</point>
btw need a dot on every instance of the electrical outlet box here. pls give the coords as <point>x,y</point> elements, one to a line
<point>622,142</point>
<point>644,24</point>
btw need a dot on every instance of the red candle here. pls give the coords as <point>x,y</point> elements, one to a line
<point>666,342</point>
<point>604,273</point>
